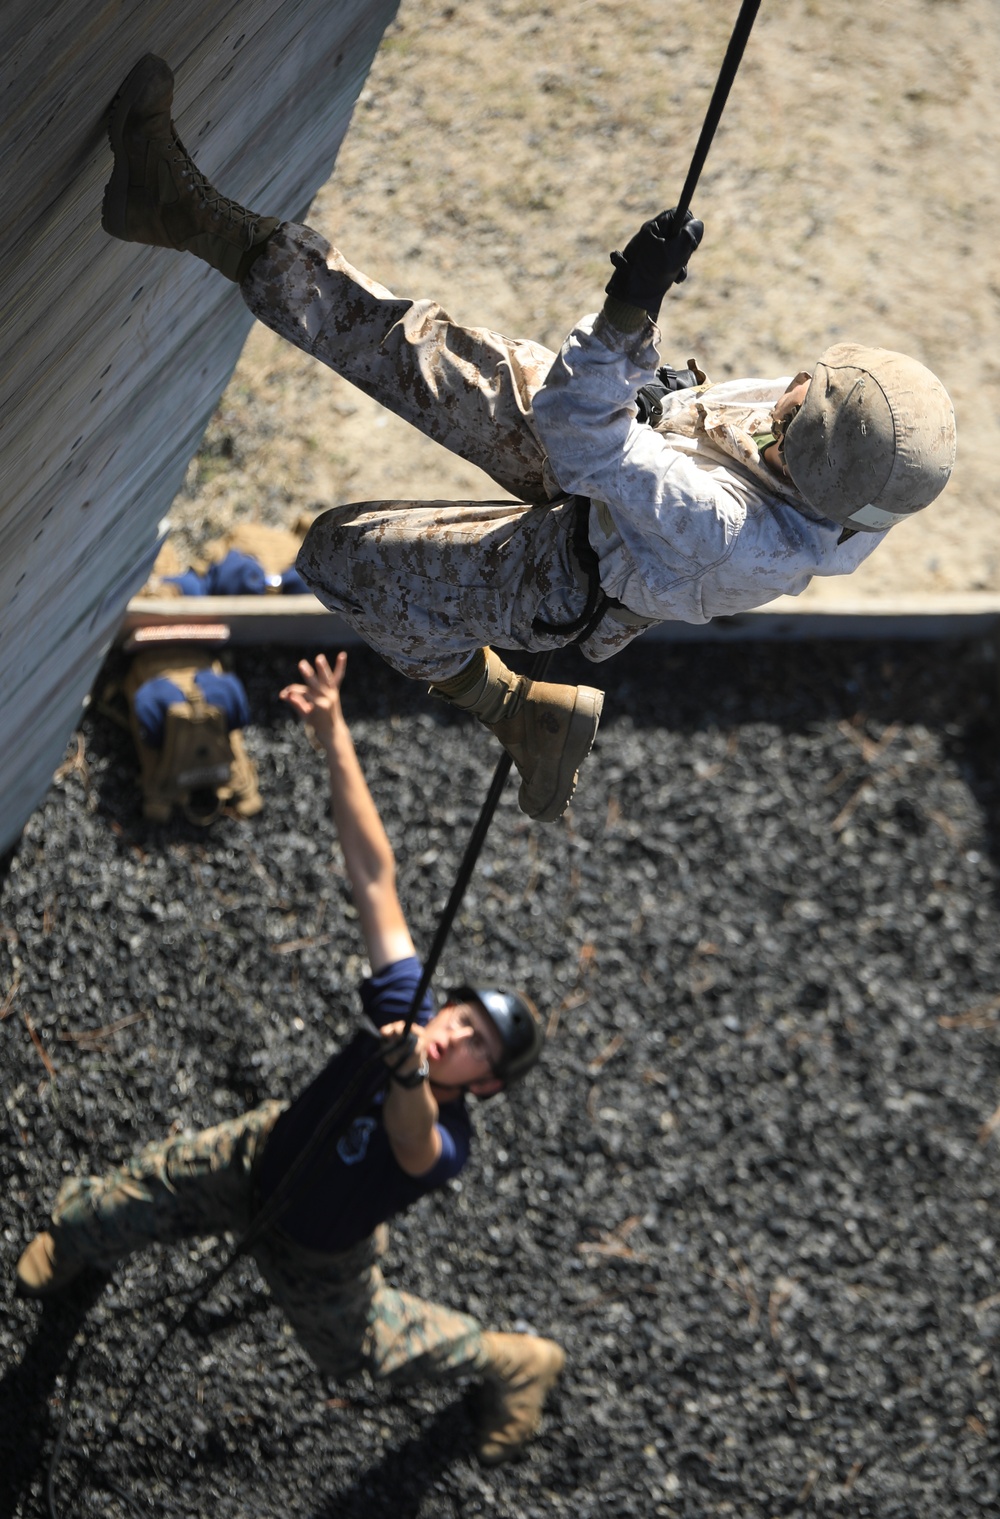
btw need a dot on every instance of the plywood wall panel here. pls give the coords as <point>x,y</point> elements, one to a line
<point>112,356</point>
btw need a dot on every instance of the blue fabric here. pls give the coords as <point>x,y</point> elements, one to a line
<point>227,693</point>
<point>236,575</point>
<point>190,582</point>
<point>154,696</point>
<point>355,1184</point>
<point>292,583</point>
<point>150,704</point>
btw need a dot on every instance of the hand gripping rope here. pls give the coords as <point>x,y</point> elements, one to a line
<point>373,1074</point>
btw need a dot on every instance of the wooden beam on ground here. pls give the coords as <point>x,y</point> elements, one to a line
<point>302,620</point>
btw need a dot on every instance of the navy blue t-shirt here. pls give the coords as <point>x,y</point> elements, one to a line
<point>356,1183</point>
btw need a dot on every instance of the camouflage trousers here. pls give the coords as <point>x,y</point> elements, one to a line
<point>344,1315</point>
<point>428,583</point>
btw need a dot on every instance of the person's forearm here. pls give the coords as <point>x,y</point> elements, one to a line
<point>585,411</point>
<point>409,1115</point>
<point>368,854</point>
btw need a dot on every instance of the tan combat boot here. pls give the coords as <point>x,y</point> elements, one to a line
<point>156,195</point>
<point>522,1370</point>
<point>40,1273</point>
<point>546,729</point>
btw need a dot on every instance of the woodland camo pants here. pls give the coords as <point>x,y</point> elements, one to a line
<point>343,1313</point>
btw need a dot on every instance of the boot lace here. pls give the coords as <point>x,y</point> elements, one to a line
<point>244,223</point>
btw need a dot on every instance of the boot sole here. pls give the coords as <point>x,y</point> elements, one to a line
<point>579,742</point>
<point>115,205</point>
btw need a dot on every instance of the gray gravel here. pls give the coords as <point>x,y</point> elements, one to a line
<point>752,1192</point>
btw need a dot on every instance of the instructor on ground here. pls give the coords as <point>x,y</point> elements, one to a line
<point>723,498</point>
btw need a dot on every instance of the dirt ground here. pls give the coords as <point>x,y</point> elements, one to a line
<point>501,148</point>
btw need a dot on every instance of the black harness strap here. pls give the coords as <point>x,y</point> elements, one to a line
<point>477,838</point>
<point>579,628</point>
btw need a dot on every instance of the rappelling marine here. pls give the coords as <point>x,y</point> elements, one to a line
<point>638,500</point>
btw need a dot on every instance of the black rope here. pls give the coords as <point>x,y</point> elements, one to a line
<point>717,104</point>
<point>539,666</point>
<point>282,1194</point>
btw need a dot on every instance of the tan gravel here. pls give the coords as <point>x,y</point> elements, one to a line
<point>500,149</point>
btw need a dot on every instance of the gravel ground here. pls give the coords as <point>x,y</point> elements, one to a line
<point>752,1190</point>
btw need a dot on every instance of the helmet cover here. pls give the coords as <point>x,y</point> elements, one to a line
<point>874,440</point>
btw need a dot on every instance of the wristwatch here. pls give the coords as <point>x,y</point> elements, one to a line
<point>413,1078</point>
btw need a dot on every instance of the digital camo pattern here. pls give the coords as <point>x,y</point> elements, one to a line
<point>339,1305</point>
<point>189,1184</point>
<point>429,583</point>
<point>468,388</point>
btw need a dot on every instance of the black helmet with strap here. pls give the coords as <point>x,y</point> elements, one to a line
<point>517,1022</point>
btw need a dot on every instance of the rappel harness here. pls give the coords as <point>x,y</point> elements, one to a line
<point>374,1073</point>
<point>588,568</point>
<point>598,604</point>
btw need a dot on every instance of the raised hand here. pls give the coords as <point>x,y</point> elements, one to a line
<point>317,698</point>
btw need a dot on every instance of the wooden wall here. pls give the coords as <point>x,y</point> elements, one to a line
<point>112,356</point>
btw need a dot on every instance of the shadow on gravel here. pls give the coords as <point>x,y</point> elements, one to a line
<point>27,1388</point>
<point>875,691</point>
<point>398,1483</point>
<point>972,744</point>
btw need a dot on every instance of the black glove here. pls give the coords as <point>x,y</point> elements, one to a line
<point>654,259</point>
